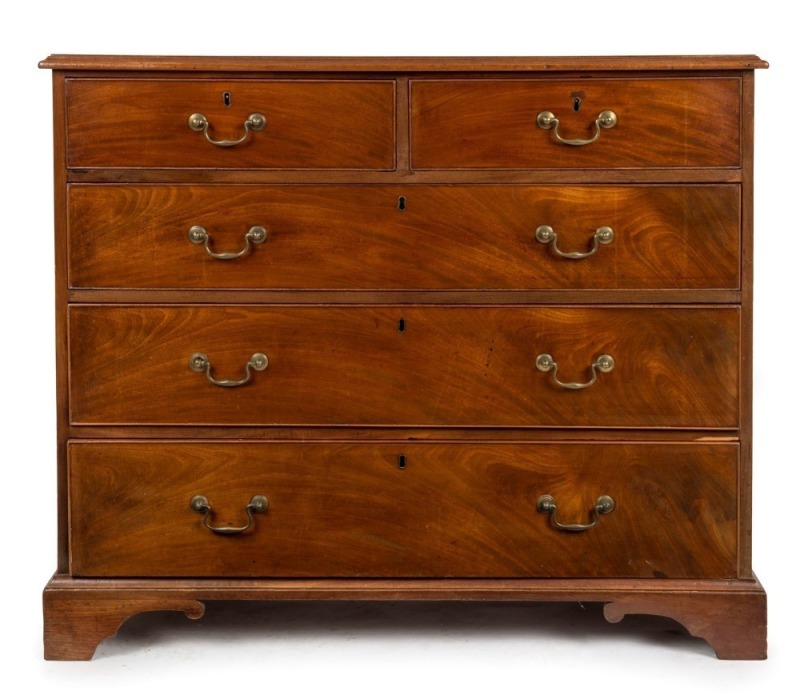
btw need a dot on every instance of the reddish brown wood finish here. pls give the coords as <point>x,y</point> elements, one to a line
<point>396,433</point>
<point>61,331</point>
<point>746,347</point>
<point>311,124</point>
<point>74,627</point>
<point>444,237</point>
<point>547,176</point>
<point>492,124</point>
<point>735,625</point>
<point>379,297</point>
<point>402,64</point>
<point>729,614</point>
<point>706,141</point>
<point>676,367</point>
<point>453,510</point>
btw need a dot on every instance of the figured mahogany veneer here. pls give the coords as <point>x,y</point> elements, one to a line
<point>404,237</point>
<point>311,124</point>
<point>452,510</point>
<point>492,124</point>
<point>675,367</point>
<point>400,428</point>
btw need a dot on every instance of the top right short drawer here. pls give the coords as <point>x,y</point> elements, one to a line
<point>503,124</point>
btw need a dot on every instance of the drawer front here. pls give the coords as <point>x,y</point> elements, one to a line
<point>309,124</point>
<point>493,123</point>
<point>454,510</point>
<point>443,237</point>
<point>675,367</point>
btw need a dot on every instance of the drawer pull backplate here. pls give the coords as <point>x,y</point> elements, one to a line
<point>545,234</point>
<point>547,120</point>
<point>255,236</point>
<point>255,122</point>
<point>200,363</point>
<point>200,504</point>
<point>546,505</point>
<point>604,363</point>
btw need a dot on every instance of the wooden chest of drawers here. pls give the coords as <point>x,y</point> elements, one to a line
<point>404,329</point>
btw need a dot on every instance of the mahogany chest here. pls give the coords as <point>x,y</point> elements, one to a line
<point>404,329</point>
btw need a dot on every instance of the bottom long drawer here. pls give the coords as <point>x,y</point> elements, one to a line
<point>403,510</point>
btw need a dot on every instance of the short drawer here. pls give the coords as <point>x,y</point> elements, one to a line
<point>404,237</point>
<point>667,122</point>
<point>308,124</point>
<point>452,510</point>
<point>389,365</point>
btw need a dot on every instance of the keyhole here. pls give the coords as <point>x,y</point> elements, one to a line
<point>226,98</point>
<point>401,203</point>
<point>401,461</point>
<point>401,325</point>
<point>576,104</point>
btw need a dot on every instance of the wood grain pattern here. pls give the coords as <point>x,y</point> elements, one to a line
<point>735,625</point>
<point>676,367</point>
<point>446,237</point>
<point>456,510</point>
<point>396,433</point>
<point>73,629</point>
<point>492,123</point>
<point>310,124</point>
<point>668,433</point>
<point>548,176</point>
<point>372,64</point>
<point>746,345</point>
<point>60,221</point>
<point>729,614</point>
<point>426,297</point>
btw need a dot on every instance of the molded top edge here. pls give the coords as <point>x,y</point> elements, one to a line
<point>399,64</point>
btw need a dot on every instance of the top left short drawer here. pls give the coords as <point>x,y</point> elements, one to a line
<point>308,124</point>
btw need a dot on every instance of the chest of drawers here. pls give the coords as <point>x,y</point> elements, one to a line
<point>404,329</point>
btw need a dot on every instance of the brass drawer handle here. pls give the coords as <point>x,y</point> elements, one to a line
<point>604,363</point>
<point>258,503</point>
<point>255,122</point>
<point>255,236</point>
<point>546,505</point>
<point>603,236</point>
<point>199,362</point>
<point>605,120</point>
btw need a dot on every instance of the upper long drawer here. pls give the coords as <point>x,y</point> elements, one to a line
<point>308,124</point>
<point>404,237</point>
<point>494,124</point>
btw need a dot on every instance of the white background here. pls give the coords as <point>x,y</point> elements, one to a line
<point>386,650</point>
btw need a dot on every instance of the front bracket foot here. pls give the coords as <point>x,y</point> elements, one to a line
<point>74,626</point>
<point>733,623</point>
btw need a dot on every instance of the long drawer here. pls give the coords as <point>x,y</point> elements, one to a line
<point>307,124</point>
<point>403,510</point>
<point>667,122</point>
<point>387,365</point>
<point>404,237</point>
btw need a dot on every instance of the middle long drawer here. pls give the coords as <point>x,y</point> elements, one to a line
<point>388,365</point>
<point>404,237</point>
